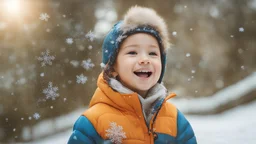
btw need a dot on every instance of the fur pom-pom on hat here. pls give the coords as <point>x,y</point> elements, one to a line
<point>138,16</point>
<point>136,20</point>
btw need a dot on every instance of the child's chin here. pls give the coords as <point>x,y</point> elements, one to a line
<point>144,88</point>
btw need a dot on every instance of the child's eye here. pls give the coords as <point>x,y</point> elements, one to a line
<point>153,53</point>
<point>132,53</point>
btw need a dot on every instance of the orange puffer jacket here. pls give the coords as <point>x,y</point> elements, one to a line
<point>118,118</point>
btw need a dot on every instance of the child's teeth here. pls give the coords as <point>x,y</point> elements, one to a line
<point>144,71</point>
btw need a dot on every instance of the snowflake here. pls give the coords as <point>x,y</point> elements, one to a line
<point>81,79</point>
<point>89,47</point>
<point>36,116</point>
<point>74,63</point>
<point>120,38</point>
<point>51,92</point>
<point>46,58</point>
<point>174,33</point>
<point>115,133</point>
<point>102,65</point>
<point>69,41</point>
<point>44,16</point>
<point>87,64</point>
<point>90,35</point>
<point>241,29</point>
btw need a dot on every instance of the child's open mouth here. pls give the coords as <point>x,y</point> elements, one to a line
<point>143,74</point>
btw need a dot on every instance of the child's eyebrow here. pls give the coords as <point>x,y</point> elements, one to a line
<point>136,45</point>
<point>131,45</point>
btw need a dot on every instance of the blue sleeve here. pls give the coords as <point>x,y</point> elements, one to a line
<point>185,132</point>
<point>84,133</point>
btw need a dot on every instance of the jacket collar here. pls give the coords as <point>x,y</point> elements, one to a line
<point>124,99</point>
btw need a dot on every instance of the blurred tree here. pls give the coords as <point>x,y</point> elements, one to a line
<point>24,42</point>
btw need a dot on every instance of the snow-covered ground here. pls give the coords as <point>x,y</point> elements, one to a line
<point>235,126</point>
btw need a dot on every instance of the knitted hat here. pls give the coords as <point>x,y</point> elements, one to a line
<point>137,20</point>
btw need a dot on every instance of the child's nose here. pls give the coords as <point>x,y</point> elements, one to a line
<point>144,60</point>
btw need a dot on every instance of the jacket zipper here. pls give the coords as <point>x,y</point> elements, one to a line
<point>151,125</point>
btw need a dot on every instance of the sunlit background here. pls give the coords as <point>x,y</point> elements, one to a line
<point>50,59</point>
<point>12,7</point>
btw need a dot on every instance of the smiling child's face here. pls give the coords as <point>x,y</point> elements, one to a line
<point>138,63</point>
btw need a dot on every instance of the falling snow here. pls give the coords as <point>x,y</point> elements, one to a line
<point>81,79</point>
<point>36,116</point>
<point>89,47</point>
<point>241,29</point>
<point>44,17</point>
<point>69,41</point>
<point>46,58</point>
<point>242,67</point>
<point>51,92</point>
<point>115,133</point>
<point>42,74</point>
<point>174,33</point>
<point>90,35</point>
<point>87,64</point>
<point>74,63</point>
<point>102,65</point>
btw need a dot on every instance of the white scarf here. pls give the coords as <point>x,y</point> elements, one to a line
<point>154,94</point>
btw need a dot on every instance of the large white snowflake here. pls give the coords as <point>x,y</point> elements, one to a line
<point>81,79</point>
<point>51,92</point>
<point>46,58</point>
<point>90,35</point>
<point>87,64</point>
<point>115,133</point>
<point>36,116</point>
<point>44,16</point>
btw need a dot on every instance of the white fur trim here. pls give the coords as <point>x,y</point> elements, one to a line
<point>137,16</point>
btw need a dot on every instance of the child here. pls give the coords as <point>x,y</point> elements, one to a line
<point>130,104</point>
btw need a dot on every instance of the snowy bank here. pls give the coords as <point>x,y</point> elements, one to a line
<point>206,105</point>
